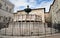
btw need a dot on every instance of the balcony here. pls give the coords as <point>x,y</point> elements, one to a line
<point>29,17</point>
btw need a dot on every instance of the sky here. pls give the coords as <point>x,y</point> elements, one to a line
<point>33,4</point>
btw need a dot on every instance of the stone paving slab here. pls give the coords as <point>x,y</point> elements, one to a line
<point>22,36</point>
<point>43,36</point>
<point>47,36</point>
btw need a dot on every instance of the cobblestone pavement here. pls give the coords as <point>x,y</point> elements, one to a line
<point>47,36</point>
<point>54,36</point>
<point>22,37</point>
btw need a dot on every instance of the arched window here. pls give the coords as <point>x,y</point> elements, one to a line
<point>0,5</point>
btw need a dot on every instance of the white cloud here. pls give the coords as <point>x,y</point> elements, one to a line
<point>18,3</point>
<point>31,3</point>
<point>45,5</point>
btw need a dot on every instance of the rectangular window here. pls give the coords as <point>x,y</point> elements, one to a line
<point>0,5</point>
<point>0,17</point>
<point>6,8</point>
<point>10,10</point>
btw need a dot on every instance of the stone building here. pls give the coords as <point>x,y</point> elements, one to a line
<point>6,12</point>
<point>55,14</point>
<point>47,19</point>
<point>27,24</point>
<point>32,24</point>
<point>38,12</point>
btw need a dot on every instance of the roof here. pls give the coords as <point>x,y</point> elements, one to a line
<point>32,9</point>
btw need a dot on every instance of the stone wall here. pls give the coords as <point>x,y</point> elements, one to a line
<point>55,11</point>
<point>27,29</point>
<point>38,12</point>
<point>24,28</point>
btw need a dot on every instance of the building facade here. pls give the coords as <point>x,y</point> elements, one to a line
<point>26,24</point>
<point>55,15</point>
<point>38,12</point>
<point>6,12</point>
<point>55,12</point>
<point>47,17</point>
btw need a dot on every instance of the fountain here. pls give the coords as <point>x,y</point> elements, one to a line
<point>31,24</point>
